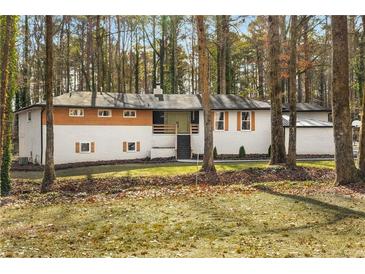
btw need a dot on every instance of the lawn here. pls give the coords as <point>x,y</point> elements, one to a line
<point>272,219</point>
<point>107,171</point>
<point>282,219</point>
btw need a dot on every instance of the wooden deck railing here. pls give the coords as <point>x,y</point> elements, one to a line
<point>194,128</point>
<point>164,129</point>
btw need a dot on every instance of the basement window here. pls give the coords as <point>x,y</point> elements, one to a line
<point>76,112</point>
<point>131,147</point>
<point>129,114</point>
<point>85,147</point>
<point>246,120</point>
<point>104,113</point>
<point>219,120</point>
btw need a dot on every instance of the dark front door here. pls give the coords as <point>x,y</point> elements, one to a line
<point>183,147</point>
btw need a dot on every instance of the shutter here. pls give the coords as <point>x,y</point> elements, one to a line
<point>77,147</point>
<point>138,146</point>
<point>239,120</point>
<point>226,121</point>
<point>253,121</point>
<point>92,147</point>
<point>124,146</point>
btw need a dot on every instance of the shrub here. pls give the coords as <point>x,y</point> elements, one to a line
<point>269,151</point>
<point>242,152</point>
<point>215,153</point>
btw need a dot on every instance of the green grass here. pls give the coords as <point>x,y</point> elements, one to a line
<point>189,221</point>
<point>150,169</point>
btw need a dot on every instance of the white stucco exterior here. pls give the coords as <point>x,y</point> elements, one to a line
<point>30,135</point>
<point>108,142</point>
<point>315,140</point>
<point>229,142</point>
<point>108,139</point>
<point>316,115</point>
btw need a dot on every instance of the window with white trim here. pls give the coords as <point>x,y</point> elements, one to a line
<point>85,147</point>
<point>29,116</point>
<point>131,147</point>
<point>76,112</point>
<point>219,120</point>
<point>129,114</point>
<point>104,113</point>
<point>246,120</point>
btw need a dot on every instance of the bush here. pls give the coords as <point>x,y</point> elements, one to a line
<point>215,153</point>
<point>269,151</point>
<point>242,152</point>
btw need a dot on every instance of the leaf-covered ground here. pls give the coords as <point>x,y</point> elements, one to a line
<point>152,169</point>
<point>249,213</point>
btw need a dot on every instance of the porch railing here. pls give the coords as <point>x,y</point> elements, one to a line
<point>164,129</point>
<point>194,128</point>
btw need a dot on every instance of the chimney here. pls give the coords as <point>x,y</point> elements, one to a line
<point>157,90</point>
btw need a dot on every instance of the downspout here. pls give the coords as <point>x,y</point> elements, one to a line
<point>42,136</point>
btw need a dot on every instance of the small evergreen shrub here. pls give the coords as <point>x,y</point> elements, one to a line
<point>269,151</point>
<point>215,153</point>
<point>242,152</point>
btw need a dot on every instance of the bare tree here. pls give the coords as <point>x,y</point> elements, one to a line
<point>208,161</point>
<point>49,175</point>
<point>346,172</point>
<point>292,150</point>
<point>278,155</point>
<point>362,129</point>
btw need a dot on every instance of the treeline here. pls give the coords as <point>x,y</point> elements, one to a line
<point>135,53</point>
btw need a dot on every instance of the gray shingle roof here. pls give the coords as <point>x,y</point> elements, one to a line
<point>307,122</point>
<point>151,101</point>
<point>307,107</point>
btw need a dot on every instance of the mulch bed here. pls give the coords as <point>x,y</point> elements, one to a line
<point>115,185</point>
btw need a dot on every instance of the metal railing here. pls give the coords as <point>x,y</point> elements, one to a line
<point>164,129</point>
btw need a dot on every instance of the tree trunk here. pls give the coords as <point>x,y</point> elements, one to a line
<point>49,172</point>
<point>346,172</point>
<point>221,54</point>
<point>362,128</point>
<point>4,77</point>
<point>292,150</point>
<point>162,51</point>
<point>154,70</point>
<point>208,161</point>
<point>307,58</point>
<point>278,154</point>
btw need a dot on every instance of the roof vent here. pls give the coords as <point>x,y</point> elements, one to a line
<point>157,90</point>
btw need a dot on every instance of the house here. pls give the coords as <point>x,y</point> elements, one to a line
<point>116,126</point>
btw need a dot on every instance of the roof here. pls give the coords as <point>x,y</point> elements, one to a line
<point>151,101</point>
<point>307,122</point>
<point>307,107</point>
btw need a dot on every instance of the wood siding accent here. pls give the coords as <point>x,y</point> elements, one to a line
<point>124,146</point>
<point>138,146</point>
<point>77,147</point>
<point>226,121</point>
<point>253,121</point>
<point>92,149</point>
<point>61,117</point>
<point>239,113</point>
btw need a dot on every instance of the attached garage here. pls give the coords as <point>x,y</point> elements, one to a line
<point>314,137</point>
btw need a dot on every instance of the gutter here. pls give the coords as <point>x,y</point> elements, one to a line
<point>42,110</point>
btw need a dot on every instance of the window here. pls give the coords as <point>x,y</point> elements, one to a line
<point>246,120</point>
<point>29,116</point>
<point>219,120</point>
<point>85,147</point>
<point>131,147</point>
<point>129,113</point>
<point>104,113</point>
<point>76,112</point>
